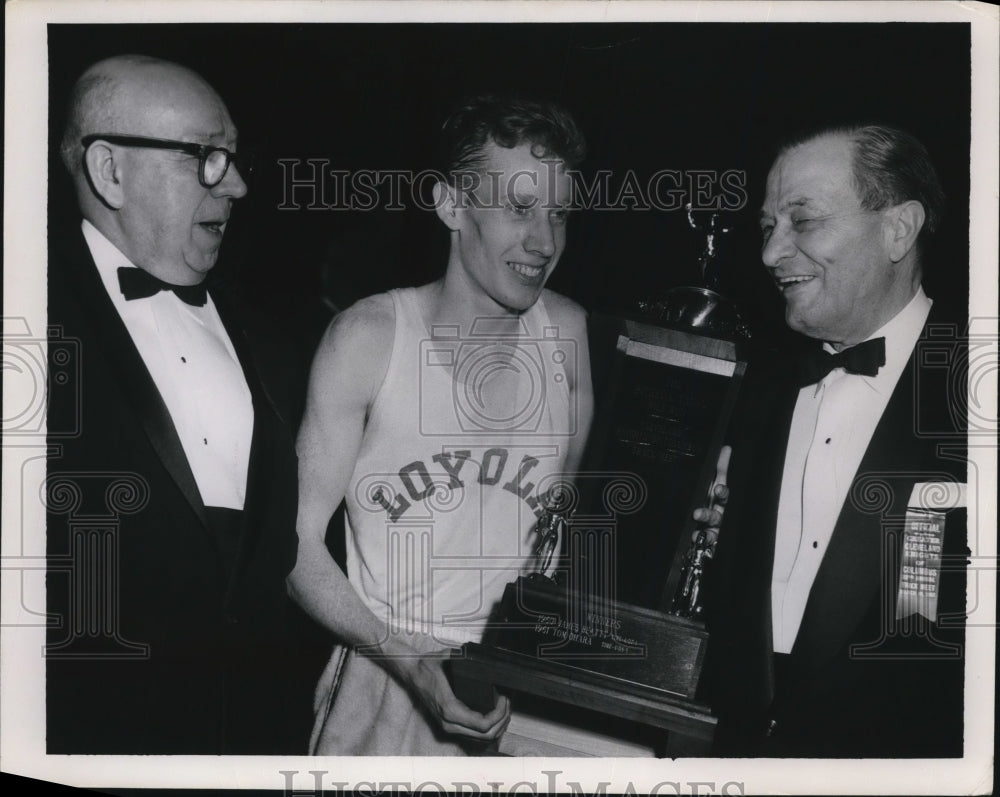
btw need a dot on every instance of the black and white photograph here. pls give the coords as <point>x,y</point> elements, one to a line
<point>500,397</point>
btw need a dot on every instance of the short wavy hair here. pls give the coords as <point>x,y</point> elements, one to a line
<point>508,121</point>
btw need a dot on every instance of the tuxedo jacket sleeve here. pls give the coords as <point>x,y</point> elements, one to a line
<point>167,633</point>
<point>857,682</point>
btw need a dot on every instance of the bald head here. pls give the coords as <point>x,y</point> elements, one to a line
<point>128,94</point>
<point>152,202</point>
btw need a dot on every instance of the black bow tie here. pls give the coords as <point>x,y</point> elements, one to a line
<point>865,359</point>
<point>138,284</point>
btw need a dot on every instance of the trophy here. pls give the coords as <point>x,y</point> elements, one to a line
<point>610,623</point>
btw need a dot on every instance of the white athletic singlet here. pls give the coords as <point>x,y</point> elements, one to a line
<point>464,436</point>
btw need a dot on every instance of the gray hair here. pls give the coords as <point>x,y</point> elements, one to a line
<point>890,166</point>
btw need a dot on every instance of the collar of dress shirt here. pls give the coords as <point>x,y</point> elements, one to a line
<point>109,258</point>
<point>901,333</point>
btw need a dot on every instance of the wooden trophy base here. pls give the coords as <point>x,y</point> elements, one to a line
<point>638,667</point>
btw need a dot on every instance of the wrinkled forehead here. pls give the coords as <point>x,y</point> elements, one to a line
<point>167,102</point>
<point>818,172</point>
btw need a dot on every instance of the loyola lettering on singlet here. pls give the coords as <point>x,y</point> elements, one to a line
<point>450,471</point>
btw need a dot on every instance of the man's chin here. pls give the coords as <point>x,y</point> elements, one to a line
<point>520,302</point>
<point>517,308</point>
<point>797,322</point>
<point>201,266</point>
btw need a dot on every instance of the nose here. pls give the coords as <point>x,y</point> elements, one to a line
<point>232,184</point>
<point>541,238</point>
<point>778,247</point>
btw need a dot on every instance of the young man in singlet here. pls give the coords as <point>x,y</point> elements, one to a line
<point>443,414</point>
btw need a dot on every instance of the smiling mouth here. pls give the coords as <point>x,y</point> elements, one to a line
<point>784,283</point>
<point>214,227</point>
<point>525,270</point>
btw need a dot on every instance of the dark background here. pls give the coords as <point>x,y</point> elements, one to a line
<point>648,96</point>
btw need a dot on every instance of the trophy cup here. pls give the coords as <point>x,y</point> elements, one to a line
<point>700,307</point>
<point>613,624</point>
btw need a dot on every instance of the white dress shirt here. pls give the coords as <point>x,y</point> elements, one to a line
<point>195,368</point>
<point>832,425</point>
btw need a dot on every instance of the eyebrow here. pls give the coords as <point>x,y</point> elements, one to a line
<point>794,203</point>
<point>213,135</point>
<point>545,202</point>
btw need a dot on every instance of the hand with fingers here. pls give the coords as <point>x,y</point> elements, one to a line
<point>709,517</point>
<point>432,687</point>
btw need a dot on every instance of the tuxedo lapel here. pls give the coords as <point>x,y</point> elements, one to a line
<point>746,551</point>
<point>136,385</point>
<point>771,473</point>
<point>252,368</point>
<point>267,425</point>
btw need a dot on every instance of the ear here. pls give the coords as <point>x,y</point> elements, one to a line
<point>104,171</point>
<point>904,224</point>
<point>446,204</point>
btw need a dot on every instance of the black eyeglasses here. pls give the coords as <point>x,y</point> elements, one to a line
<point>213,162</point>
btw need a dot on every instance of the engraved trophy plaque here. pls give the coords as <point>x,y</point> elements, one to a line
<point>615,629</point>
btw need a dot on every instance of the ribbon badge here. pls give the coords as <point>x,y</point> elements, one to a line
<point>923,537</point>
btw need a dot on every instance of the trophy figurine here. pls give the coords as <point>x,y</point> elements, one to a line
<point>688,601</point>
<point>709,275</point>
<point>700,308</point>
<point>551,531</point>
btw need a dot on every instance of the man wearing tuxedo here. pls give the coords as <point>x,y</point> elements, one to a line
<point>171,505</point>
<point>812,652</point>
